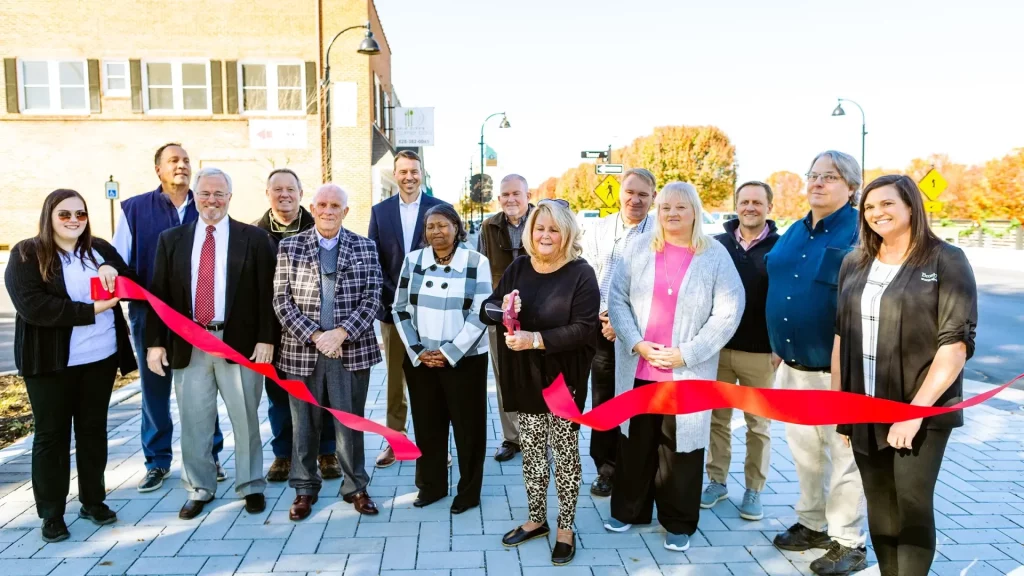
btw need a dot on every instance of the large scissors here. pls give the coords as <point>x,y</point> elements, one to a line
<point>509,317</point>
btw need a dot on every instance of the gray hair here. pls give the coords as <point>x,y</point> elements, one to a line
<point>518,178</point>
<point>849,168</point>
<point>277,171</point>
<point>332,187</point>
<point>643,174</point>
<point>211,171</point>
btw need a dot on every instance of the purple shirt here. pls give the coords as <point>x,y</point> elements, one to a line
<point>743,243</point>
<point>670,266</point>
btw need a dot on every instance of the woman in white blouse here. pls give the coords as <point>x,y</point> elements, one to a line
<point>69,349</point>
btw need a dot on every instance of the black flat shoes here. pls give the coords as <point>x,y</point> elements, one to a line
<point>518,536</point>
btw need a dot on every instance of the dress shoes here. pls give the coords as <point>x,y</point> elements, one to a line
<point>302,506</point>
<point>362,503</point>
<point>422,501</point>
<point>255,503</point>
<point>518,536</point>
<point>602,486</point>
<point>506,451</point>
<point>192,508</point>
<point>460,507</point>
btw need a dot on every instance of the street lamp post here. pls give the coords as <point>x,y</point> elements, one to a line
<point>369,47</point>
<point>863,131</point>
<point>504,124</point>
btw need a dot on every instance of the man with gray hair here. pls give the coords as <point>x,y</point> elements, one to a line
<point>327,292</point>
<point>803,278</point>
<point>603,246</point>
<point>220,273</point>
<point>501,241</point>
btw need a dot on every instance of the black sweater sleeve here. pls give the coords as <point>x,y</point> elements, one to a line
<point>583,322</point>
<point>38,302</point>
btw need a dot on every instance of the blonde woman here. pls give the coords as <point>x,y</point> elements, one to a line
<point>675,302</point>
<point>557,303</point>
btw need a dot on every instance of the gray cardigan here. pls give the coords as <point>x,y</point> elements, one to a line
<point>708,311</point>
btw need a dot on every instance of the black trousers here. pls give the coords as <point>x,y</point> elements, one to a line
<point>603,445</point>
<point>652,471</point>
<point>76,396</point>
<point>455,395</point>
<point>900,487</point>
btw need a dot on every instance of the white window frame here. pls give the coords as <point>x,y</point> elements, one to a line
<point>378,114</point>
<point>177,96</point>
<point>272,87</point>
<point>53,83</point>
<point>126,92</point>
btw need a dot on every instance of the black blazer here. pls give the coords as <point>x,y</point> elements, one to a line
<point>248,313</point>
<point>386,233</point>
<point>923,308</point>
<point>46,314</point>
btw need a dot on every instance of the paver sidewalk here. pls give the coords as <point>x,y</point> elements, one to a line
<point>979,499</point>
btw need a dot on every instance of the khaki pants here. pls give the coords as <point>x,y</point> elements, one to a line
<point>509,420</point>
<point>831,491</point>
<point>756,371</point>
<point>394,353</point>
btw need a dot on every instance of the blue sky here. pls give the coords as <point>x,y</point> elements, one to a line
<point>941,76</point>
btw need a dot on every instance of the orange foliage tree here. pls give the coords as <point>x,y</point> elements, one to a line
<point>789,200</point>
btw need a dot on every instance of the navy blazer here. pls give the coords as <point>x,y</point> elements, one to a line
<point>386,233</point>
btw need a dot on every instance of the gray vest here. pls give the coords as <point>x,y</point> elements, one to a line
<point>328,283</point>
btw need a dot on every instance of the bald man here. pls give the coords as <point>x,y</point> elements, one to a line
<point>327,291</point>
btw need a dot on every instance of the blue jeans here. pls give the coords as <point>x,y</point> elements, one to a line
<point>157,427</point>
<point>280,416</point>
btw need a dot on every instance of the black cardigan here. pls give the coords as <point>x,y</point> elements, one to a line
<point>46,314</point>
<point>923,308</point>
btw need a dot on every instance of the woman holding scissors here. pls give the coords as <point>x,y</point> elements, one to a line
<point>555,297</point>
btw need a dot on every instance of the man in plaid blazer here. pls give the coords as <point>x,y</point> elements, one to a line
<point>327,291</point>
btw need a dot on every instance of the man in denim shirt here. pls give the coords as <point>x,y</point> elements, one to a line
<point>803,275</point>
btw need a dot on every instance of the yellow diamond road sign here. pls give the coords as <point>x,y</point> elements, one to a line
<point>933,207</point>
<point>933,184</point>
<point>607,211</point>
<point>608,190</point>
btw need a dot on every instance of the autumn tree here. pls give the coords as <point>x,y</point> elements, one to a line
<point>546,189</point>
<point>789,200</point>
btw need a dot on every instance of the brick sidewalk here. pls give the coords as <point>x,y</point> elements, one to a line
<point>980,503</point>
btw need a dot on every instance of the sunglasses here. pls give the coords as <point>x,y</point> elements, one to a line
<point>560,201</point>
<point>65,215</point>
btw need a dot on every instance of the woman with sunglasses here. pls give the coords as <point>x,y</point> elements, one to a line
<point>557,300</point>
<point>68,348</point>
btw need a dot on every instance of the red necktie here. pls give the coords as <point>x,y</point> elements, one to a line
<point>204,285</point>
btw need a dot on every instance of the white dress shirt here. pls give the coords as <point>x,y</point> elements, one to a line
<point>122,240</point>
<point>409,212</point>
<point>220,267</point>
<point>328,243</point>
<point>92,342</point>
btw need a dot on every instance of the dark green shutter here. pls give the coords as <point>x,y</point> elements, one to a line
<point>94,86</point>
<point>231,78</point>
<point>312,93</point>
<point>135,71</point>
<point>11,80</point>
<point>217,87</point>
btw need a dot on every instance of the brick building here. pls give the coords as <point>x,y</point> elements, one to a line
<point>91,89</point>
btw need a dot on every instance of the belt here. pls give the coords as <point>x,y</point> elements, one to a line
<point>803,368</point>
<point>214,327</point>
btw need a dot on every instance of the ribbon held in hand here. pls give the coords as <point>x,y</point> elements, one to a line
<point>809,407</point>
<point>510,319</point>
<point>197,336</point>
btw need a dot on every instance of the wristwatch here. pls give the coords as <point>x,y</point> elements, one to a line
<point>536,340</point>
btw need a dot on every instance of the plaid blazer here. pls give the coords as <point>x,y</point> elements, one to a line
<point>297,300</point>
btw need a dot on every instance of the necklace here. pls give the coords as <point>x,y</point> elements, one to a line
<point>664,260</point>
<point>445,259</point>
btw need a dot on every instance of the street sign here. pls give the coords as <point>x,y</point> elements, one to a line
<point>608,168</point>
<point>112,190</point>
<point>594,154</point>
<point>607,211</point>
<point>933,207</point>
<point>933,184</point>
<point>608,191</point>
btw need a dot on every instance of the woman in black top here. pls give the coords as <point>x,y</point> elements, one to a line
<point>908,309</point>
<point>557,308</point>
<point>68,348</point>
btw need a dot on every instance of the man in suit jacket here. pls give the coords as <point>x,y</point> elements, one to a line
<point>219,272</point>
<point>396,226</point>
<point>326,296</point>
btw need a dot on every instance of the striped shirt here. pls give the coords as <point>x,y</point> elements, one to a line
<point>603,246</point>
<point>437,307</point>
<point>878,280</point>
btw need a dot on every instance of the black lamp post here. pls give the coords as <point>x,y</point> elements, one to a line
<point>369,47</point>
<point>504,124</point>
<point>863,132</point>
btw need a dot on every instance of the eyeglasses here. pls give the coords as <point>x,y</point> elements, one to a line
<point>560,201</point>
<point>217,195</point>
<point>65,215</point>
<point>828,177</point>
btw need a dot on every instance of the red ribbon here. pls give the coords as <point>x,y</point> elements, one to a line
<point>809,407</point>
<point>195,335</point>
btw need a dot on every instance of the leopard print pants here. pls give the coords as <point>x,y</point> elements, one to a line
<point>536,431</point>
